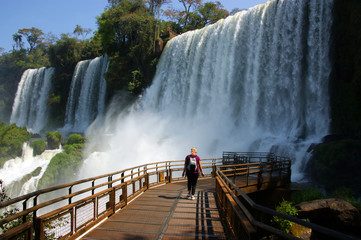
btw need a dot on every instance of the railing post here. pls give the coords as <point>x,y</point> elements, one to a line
<point>170,175</point>
<point>69,191</point>
<point>122,175</point>
<point>35,202</point>
<point>24,208</point>
<point>112,200</point>
<point>39,229</point>
<point>156,170</point>
<point>213,170</point>
<point>133,184</point>
<point>110,178</point>
<point>93,184</point>
<point>147,180</point>
<point>125,193</point>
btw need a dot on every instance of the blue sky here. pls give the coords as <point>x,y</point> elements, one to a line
<point>62,16</point>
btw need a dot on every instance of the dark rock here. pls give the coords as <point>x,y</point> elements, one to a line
<point>333,137</point>
<point>312,147</point>
<point>334,213</point>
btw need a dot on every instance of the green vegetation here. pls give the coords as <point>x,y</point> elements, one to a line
<point>64,166</point>
<point>39,146</point>
<point>205,14</point>
<point>288,208</point>
<point>54,139</point>
<point>127,36</point>
<point>12,139</point>
<point>348,195</point>
<point>306,195</point>
<point>75,139</point>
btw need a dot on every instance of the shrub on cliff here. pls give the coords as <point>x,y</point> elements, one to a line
<point>288,208</point>
<point>12,139</point>
<point>54,139</point>
<point>39,146</point>
<point>75,139</point>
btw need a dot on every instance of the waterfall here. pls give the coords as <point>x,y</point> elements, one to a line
<point>30,104</point>
<point>87,94</point>
<point>22,174</point>
<point>255,81</point>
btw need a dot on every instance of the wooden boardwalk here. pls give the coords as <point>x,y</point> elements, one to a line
<point>164,212</point>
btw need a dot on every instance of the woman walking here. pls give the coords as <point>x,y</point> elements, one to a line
<point>192,167</point>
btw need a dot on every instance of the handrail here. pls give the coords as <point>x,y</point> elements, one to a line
<point>113,191</point>
<point>232,190</point>
<point>116,189</point>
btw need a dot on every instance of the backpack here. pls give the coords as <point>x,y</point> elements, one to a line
<point>192,164</point>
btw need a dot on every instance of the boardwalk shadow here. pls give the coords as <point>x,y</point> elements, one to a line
<point>166,197</point>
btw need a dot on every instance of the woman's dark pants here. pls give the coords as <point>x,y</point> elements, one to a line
<point>192,182</point>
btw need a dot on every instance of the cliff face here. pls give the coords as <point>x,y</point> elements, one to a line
<point>346,78</point>
<point>336,162</point>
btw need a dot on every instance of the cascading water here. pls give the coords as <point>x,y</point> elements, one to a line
<point>22,174</point>
<point>87,94</point>
<point>256,81</point>
<point>30,104</point>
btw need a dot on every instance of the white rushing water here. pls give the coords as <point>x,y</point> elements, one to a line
<point>22,174</point>
<point>256,81</point>
<point>87,94</point>
<point>30,105</point>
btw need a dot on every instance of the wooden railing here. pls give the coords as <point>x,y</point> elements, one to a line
<point>69,210</point>
<point>247,219</point>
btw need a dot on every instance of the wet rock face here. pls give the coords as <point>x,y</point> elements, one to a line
<point>333,213</point>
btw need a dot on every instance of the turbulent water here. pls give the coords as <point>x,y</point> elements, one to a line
<point>22,174</point>
<point>256,81</point>
<point>30,104</point>
<point>87,94</point>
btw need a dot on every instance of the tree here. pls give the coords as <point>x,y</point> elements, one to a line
<point>113,3</point>
<point>18,41</point>
<point>182,17</point>
<point>127,35</point>
<point>212,12</point>
<point>188,4</point>
<point>201,16</point>
<point>83,32</point>
<point>34,36</point>
<point>155,5</point>
<point>236,10</point>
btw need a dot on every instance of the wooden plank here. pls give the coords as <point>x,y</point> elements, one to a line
<point>165,212</point>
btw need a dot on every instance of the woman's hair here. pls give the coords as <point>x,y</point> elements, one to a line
<point>193,149</point>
